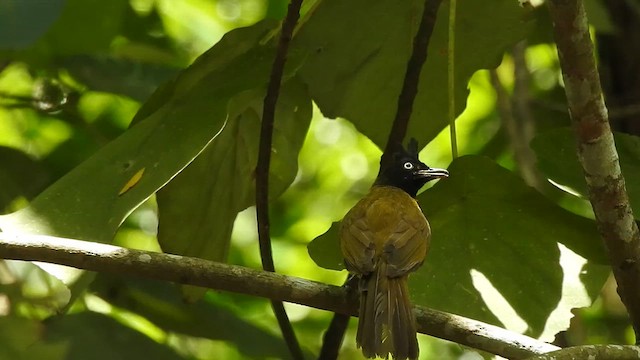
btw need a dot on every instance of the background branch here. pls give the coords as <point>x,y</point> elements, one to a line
<point>525,121</point>
<point>333,337</point>
<point>515,123</point>
<point>192,271</point>
<point>262,169</point>
<point>451,61</point>
<point>596,150</point>
<point>412,78</point>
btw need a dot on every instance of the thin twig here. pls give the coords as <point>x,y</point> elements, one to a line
<point>451,52</point>
<point>17,98</point>
<point>332,339</point>
<point>262,168</point>
<point>193,271</point>
<point>519,141</point>
<point>525,121</point>
<point>411,78</point>
<point>597,151</point>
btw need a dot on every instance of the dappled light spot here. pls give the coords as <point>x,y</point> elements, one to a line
<point>497,304</point>
<point>354,165</point>
<point>245,228</point>
<point>328,132</point>
<point>297,312</point>
<point>574,293</point>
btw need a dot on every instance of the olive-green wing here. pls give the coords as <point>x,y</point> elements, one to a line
<point>357,242</point>
<point>408,244</point>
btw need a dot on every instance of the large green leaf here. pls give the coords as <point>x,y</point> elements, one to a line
<point>486,220</point>
<point>91,201</point>
<point>359,50</point>
<point>558,159</point>
<point>169,131</point>
<point>198,207</point>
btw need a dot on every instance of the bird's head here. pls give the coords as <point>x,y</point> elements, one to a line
<point>406,171</point>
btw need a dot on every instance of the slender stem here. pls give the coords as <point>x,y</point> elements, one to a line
<point>411,79</point>
<point>333,337</point>
<point>262,169</point>
<point>519,141</point>
<point>451,59</point>
<point>596,150</point>
<point>525,122</point>
<point>193,271</point>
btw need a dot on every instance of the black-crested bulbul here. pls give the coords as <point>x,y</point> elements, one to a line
<point>383,238</point>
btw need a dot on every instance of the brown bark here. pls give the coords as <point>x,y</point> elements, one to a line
<point>596,150</point>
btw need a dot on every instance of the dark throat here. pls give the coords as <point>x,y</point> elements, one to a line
<point>410,186</point>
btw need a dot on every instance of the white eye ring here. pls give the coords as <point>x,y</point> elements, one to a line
<point>408,165</point>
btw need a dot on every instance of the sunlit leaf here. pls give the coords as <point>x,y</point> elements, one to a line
<point>359,50</point>
<point>485,219</point>
<point>34,283</point>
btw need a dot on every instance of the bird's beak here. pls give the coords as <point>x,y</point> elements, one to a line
<point>433,173</point>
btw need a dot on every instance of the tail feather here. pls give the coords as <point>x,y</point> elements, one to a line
<point>404,331</point>
<point>386,325</point>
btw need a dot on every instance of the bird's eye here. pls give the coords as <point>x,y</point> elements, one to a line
<point>408,165</point>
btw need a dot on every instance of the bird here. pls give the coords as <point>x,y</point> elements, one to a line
<point>383,238</point>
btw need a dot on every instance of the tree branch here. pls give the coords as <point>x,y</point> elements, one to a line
<point>597,152</point>
<point>412,78</point>
<point>193,271</point>
<point>595,352</point>
<point>514,124</point>
<point>262,168</point>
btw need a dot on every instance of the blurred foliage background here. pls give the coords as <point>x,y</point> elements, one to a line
<point>74,74</point>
